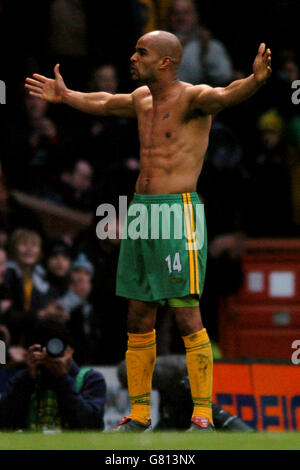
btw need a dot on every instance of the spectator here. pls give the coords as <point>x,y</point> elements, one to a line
<point>5,294</point>
<point>58,263</point>
<point>74,188</point>
<point>288,72</point>
<point>54,311</point>
<point>108,309</point>
<point>76,311</point>
<point>52,392</point>
<point>115,137</point>
<point>270,212</point>
<point>41,140</point>
<point>105,78</point>
<point>25,278</point>
<point>77,303</point>
<point>33,151</point>
<point>204,60</point>
<point>5,301</point>
<point>68,38</point>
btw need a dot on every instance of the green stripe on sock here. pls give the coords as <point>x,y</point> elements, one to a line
<point>142,347</point>
<point>201,398</point>
<point>141,402</point>
<point>140,396</point>
<point>197,347</point>
<point>207,405</point>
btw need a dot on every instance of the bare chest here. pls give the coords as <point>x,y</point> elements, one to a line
<point>159,124</point>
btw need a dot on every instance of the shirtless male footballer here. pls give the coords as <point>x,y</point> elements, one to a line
<point>174,121</point>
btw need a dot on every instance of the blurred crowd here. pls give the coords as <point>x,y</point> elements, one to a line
<point>250,182</point>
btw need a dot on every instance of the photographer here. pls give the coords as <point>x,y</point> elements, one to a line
<point>52,392</point>
<point>25,281</point>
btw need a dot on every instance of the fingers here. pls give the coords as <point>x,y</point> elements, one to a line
<point>267,58</point>
<point>267,53</point>
<point>56,70</point>
<point>40,77</point>
<point>36,89</point>
<point>34,346</point>
<point>263,51</point>
<point>261,48</point>
<point>34,86</point>
<point>37,95</point>
<point>34,353</point>
<point>34,82</point>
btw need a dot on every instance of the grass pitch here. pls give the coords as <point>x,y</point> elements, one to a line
<point>150,441</point>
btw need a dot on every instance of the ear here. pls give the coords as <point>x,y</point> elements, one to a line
<point>166,63</point>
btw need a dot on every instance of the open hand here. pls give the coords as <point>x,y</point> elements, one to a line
<point>45,88</point>
<point>262,64</point>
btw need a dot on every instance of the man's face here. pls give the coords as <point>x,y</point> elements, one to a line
<point>81,282</point>
<point>59,264</point>
<point>291,70</point>
<point>183,16</point>
<point>270,139</point>
<point>145,61</point>
<point>82,176</point>
<point>28,251</point>
<point>106,79</point>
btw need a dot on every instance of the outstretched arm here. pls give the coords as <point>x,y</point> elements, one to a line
<point>55,91</point>
<point>212,100</point>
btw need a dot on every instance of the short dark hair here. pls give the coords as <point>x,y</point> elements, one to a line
<point>48,329</point>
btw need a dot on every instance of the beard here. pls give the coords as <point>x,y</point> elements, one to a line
<point>135,74</point>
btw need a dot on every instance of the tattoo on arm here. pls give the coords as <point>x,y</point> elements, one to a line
<point>166,116</point>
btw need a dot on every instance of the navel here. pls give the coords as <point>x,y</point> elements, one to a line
<point>168,134</point>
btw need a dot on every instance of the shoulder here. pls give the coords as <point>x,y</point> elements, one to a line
<point>216,46</point>
<point>94,378</point>
<point>205,99</point>
<point>140,93</point>
<point>195,91</point>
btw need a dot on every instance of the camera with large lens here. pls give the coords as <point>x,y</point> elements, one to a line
<point>55,347</point>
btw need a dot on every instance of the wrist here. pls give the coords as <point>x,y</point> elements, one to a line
<point>65,96</point>
<point>258,81</point>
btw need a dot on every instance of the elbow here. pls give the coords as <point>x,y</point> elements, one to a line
<point>223,98</point>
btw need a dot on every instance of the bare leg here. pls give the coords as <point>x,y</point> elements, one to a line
<point>188,319</point>
<point>141,316</point>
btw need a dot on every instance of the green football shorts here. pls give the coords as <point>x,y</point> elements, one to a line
<point>163,249</point>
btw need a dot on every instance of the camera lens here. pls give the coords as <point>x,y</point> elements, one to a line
<point>55,347</point>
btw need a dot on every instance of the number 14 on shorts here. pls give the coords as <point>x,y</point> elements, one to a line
<point>175,265</point>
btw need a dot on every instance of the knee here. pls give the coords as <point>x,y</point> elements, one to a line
<point>188,320</point>
<point>140,319</point>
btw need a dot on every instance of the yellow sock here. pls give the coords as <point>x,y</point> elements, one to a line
<point>140,362</point>
<point>199,361</point>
